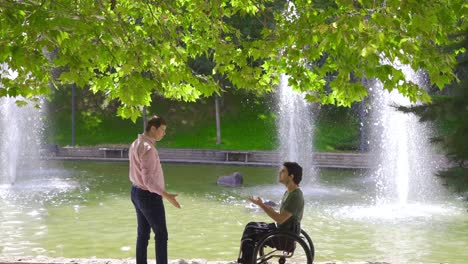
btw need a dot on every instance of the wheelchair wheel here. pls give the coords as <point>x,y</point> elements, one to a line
<point>305,236</point>
<point>282,247</point>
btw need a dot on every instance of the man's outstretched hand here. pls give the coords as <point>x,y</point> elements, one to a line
<point>172,199</point>
<point>256,200</point>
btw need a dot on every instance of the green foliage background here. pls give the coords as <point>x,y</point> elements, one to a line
<point>247,123</point>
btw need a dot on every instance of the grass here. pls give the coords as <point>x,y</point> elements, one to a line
<point>337,129</point>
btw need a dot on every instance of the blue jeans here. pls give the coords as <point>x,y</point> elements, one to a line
<point>150,215</point>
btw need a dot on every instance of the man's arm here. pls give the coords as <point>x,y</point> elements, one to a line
<point>151,171</point>
<point>279,218</point>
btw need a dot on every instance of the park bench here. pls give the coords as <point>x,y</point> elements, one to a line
<point>240,155</point>
<point>114,152</point>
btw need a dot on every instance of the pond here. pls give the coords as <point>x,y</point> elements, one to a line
<point>83,209</point>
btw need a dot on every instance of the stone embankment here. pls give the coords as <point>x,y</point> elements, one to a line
<point>46,260</point>
<point>210,156</point>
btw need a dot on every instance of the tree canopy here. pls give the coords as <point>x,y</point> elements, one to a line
<point>129,49</point>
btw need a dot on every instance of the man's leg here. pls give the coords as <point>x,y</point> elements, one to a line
<point>247,248</point>
<point>252,233</point>
<point>160,231</point>
<point>143,230</point>
<point>154,212</point>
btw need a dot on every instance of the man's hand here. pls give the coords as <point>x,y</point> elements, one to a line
<point>258,201</point>
<point>279,218</point>
<point>172,199</point>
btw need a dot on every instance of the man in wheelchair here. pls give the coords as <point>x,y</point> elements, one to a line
<point>287,219</point>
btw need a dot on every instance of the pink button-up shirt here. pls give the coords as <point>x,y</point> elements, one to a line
<point>145,167</point>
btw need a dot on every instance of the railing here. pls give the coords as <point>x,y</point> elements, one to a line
<point>238,155</point>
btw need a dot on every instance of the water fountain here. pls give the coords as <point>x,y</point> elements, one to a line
<point>21,132</point>
<point>295,121</point>
<point>401,148</point>
<point>295,128</point>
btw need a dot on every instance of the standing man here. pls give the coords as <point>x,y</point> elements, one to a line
<point>288,218</point>
<point>148,191</point>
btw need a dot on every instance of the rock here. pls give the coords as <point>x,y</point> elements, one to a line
<point>234,180</point>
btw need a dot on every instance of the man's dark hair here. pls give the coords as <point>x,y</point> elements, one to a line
<point>295,169</point>
<point>155,121</point>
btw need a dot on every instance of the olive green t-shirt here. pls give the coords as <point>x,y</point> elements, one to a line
<point>292,202</point>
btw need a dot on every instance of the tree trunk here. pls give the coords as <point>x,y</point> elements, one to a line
<point>218,120</point>
<point>144,118</point>
<point>73,116</point>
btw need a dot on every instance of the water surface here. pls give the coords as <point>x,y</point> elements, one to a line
<point>82,209</point>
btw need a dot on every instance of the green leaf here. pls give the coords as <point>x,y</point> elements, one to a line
<point>21,103</point>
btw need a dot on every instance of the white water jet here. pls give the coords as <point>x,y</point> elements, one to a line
<point>400,146</point>
<point>21,130</point>
<point>295,128</point>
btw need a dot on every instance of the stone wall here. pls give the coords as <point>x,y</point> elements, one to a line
<point>261,158</point>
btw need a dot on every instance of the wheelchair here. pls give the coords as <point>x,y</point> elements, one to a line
<point>284,247</point>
